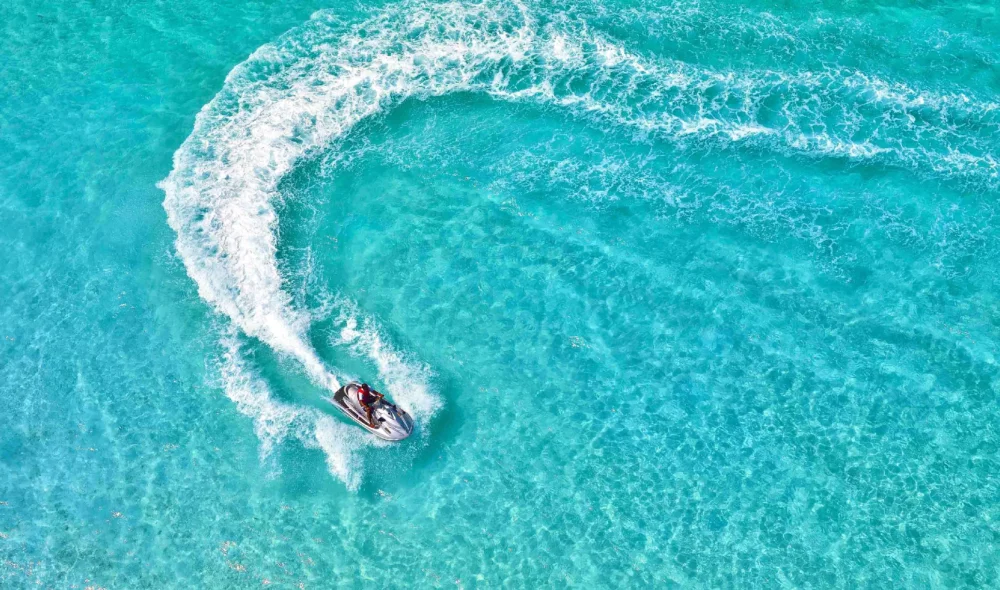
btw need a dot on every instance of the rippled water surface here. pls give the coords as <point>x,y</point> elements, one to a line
<point>690,294</point>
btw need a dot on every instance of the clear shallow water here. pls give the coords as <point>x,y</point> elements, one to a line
<point>681,294</point>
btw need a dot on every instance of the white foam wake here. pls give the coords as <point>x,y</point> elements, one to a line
<point>362,334</point>
<point>274,421</point>
<point>301,94</point>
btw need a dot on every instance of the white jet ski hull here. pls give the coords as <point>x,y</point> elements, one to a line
<point>393,422</point>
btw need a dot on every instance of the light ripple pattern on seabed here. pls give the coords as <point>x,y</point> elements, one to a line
<point>680,294</point>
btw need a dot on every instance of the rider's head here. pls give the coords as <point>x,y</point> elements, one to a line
<point>364,387</point>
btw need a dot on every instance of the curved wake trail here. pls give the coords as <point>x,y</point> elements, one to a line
<point>303,93</point>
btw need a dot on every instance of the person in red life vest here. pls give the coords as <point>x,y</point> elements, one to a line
<point>368,397</point>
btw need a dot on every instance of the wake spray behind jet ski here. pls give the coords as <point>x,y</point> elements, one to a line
<point>373,412</point>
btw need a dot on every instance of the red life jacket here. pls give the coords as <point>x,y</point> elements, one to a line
<point>366,399</point>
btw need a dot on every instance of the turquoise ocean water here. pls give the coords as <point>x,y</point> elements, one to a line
<point>693,294</point>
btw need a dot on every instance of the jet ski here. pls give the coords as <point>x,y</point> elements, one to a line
<point>393,422</point>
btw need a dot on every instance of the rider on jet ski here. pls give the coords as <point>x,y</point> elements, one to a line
<point>368,397</point>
